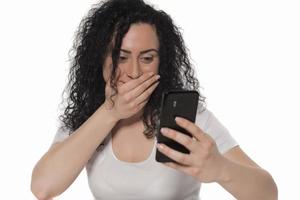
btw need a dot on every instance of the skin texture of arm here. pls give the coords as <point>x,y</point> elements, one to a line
<point>234,170</point>
<point>63,162</point>
<point>245,179</point>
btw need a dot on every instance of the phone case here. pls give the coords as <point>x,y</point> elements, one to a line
<point>182,103</point>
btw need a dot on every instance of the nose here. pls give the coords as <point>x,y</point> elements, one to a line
<point>133,71</point>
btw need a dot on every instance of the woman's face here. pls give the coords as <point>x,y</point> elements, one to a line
<point>138,55</point>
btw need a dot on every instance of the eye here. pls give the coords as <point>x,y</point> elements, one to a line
<point>147,59</point>
<point>122,58</point>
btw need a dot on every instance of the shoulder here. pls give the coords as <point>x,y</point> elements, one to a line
<point>202,115</point>
<point>210,124</point>
<point>207,121</point>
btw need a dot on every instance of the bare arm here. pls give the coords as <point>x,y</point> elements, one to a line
<point>245,179</point>
<point>64,161</point>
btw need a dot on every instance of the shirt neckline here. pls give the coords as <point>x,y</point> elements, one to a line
<point>132,163</point>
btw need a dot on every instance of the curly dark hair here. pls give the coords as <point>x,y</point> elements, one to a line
<point>110,20</point>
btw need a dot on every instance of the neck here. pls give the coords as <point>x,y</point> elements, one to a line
<point>127,125</point>
<point>133,120</point>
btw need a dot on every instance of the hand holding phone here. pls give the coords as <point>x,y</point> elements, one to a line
<point>182,103</point>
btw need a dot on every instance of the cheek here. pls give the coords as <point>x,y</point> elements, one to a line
<point>155,67</point>
<point>106,73</point>
<point>107,66</point>
<point>150,68</point>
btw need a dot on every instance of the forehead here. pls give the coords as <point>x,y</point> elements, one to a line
<point>140,37</point>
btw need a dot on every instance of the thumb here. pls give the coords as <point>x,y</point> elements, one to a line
<point>108,89</point>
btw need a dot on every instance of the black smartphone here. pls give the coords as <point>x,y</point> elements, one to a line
<point>182,103</point>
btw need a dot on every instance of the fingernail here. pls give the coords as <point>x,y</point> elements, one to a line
<point>157,77</point>
<point>163,130</point>
<point>178,119</point>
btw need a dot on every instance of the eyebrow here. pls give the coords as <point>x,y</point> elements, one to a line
<point>142,52</point>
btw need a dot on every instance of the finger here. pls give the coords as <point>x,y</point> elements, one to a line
<point>141,105</point>
<point>146,94</point>
<point>142,100</point>
<point>179,157</point>
<point>186,169</point>
<point>108,89</point>
<point>179,137</point>
<point>130,85</point>
<point>144,86</point>
<point>191,128</point>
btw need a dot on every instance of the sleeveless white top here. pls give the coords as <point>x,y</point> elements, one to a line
<point>111,178</point>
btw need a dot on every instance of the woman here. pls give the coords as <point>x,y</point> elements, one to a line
<point>127,54</point>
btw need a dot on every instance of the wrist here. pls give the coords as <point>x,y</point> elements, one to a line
<point>107,111</point>
<point>224,175</point>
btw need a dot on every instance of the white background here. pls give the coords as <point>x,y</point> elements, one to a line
<point>247,57</point>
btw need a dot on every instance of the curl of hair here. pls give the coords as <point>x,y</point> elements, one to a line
<point>110,20</point>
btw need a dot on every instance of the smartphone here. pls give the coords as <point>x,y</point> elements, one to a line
<point>182,103</point>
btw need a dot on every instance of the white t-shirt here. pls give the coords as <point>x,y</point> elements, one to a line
<point>111,178</point>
